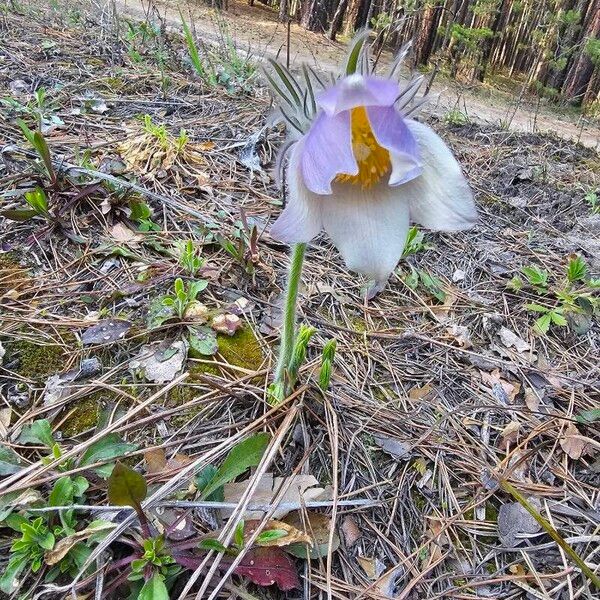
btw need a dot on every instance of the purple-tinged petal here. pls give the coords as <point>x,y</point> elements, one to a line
<point>368,227</point>
<point>300,220</point>
<point>358,90</point>
<point>392,133</point>
<point>440,199</point>
<point>327,152</point>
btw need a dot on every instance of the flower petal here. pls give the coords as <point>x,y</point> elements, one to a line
<point>393,134</point>
<point>368,227</point>
<point>440,198</point>
<point>327,152</point>
<point>300,220</point>
<point>358,90</point>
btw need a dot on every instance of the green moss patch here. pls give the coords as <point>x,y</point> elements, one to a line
<point>83,415</point>
<point>241,349</point>
<point>37,361</point>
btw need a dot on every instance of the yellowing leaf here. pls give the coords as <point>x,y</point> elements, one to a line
<point>286,534</point>
<point>62,547</point>
<point>126,487</point>
<point>318,526</point>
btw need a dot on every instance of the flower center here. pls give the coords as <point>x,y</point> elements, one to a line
<point>373,160</point>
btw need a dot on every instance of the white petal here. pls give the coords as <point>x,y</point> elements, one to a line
<point>440,198</point>
<point>368,227</point>
<point>300,220</point>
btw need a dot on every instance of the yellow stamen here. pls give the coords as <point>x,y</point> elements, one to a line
<point>373,160</point>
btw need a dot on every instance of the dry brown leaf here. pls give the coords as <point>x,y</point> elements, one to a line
<point>511,339</point>
<point>418,393</point>
<point>574,444</point>
<point>159,364</point>
<point>156,460</point>
<point>386,584</point>
<point>302,488</point>
<point>461,335</point>
<point>437,538</point>
<point>515,522</point>
<point>532,399</point>
<point>196,312</point>
<point>372,567</point>
<point>351,531</point>
<point>502,390</point>
<point>293,535</point>
<point>122,234</point>
<point>510,433</point>
<point>441,311</point>
<point>318,526</point>
<point>63,546</point>
<point>518,570</point>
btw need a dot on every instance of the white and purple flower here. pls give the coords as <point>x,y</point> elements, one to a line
<point>362,171</point>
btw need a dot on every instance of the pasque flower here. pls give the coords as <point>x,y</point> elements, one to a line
<point>358,167</point>
<point>361,170</point>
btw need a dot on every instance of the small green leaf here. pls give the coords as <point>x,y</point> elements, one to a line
<point>515,284</point>
<point>26,131</point>
<point>536,307</point>
<point>9,582</point>
<point>558,319</point>
<point>109,447</point>
<point>41,146</point>
<point>412,279</point>
<point>536,276</point>
<point>139,210</point>
<point>154,589</point>
<point>126,487</point>
<point>46,541</point>
<point>62,493</point>
<point>543,323</point>
<point>203,341</point>
<point>160,310</point>
<point>19,214</point>
<point>433,285</point>
<point>195,287</point>
<point>244,455</point>
<point>37,200</point>
<point>204,478</point>
<point>80,485</point>
<point>352,62</point>
<point>10,461</point>
<point>325,374</point>
<point>588,416</point>
<point>267,537</point>
<point>39,432</point>
<point>238,535</point>
<point>211,544</point>
<point>576,269</point>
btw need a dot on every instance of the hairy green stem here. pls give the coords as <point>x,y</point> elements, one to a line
<point>288,332</point>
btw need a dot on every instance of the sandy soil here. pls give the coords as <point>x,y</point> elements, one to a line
<point>256,29</point>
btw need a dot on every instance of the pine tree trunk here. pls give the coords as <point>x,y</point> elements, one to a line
<point>338,19</point>
<point>582,69</point>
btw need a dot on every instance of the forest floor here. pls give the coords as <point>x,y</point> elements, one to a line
<point>256,29</point>
<point>464,390</point>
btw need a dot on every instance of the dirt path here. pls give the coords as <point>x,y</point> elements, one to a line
<point>257,30</point>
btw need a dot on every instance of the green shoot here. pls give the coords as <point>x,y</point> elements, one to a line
<point>183,295</point>
<point>576,269</point>
<point>414,242</point>
<point>537,277</point>
<point>189,258</point>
